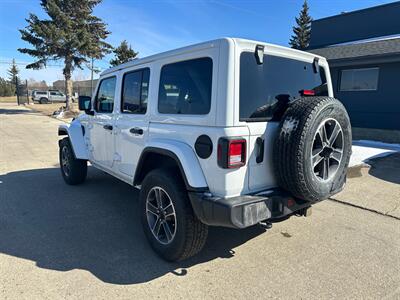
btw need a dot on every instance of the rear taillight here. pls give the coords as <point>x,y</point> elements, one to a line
<point>307,92</point>
<point>231,153</point>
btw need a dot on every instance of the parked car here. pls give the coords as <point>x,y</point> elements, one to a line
<point>228,133</point>
<point>48,96</point>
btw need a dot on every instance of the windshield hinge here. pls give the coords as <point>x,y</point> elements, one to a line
<point>316,65</point>
<point>259,53</point>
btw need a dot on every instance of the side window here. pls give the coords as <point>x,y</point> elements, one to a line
<point>104,101</point>
<point>135,90</point>
<point>185,87</point>
<point>53,93</point>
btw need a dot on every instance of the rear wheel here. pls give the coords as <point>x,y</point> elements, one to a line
<point>43,100</point>
<point>313,148</point>
<point>73,170</point>
<point>171,227</point>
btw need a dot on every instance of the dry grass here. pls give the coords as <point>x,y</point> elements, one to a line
<point>46,109</point>
<point>10,99</point>
<point>49,109</point>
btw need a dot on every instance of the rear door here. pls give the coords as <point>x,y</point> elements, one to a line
<point>132,123</point>
<point>265,91</point>
<point>53,97</point>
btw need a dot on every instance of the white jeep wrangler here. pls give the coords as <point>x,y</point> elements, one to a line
<point>229,133</point>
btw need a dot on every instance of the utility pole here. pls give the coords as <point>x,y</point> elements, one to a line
<point>16,88</point>
<point>27,92</point>
<point>91,78</point>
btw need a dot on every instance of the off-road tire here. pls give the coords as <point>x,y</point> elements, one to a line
<point>191,234</point>
<point>77,167</point>
<point>292,150</point>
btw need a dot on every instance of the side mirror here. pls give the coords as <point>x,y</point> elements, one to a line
<point>84,103</point>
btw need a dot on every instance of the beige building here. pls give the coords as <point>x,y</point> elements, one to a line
<point>80,87</point>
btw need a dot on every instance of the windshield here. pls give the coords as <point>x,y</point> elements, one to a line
<point>267,88</point>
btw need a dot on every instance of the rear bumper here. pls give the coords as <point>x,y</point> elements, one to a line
<point>244,211</point>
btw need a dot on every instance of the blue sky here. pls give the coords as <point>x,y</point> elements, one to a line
<point>156,26</point>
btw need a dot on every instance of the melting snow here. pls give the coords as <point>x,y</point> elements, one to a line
<point>364,150</point>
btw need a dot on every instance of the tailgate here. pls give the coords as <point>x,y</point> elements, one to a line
<point>260,164</point>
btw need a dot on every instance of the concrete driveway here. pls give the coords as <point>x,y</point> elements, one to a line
<point>59,241</point>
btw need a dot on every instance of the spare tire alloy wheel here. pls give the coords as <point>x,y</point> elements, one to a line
<point>327,149</point>
<point>161,217</point>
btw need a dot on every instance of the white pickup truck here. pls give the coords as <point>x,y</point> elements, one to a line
<point>49,96</point>
<point>229,132</point>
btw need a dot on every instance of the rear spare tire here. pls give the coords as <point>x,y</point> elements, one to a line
<point>313,148</point>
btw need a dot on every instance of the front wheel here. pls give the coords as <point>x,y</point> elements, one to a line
<point>73,170</point>
<point>171,227</point>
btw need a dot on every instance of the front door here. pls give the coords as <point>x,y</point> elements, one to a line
<point>102,124</point>
<point>131,124</point>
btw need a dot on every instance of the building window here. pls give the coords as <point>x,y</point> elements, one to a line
<point>365,79</point>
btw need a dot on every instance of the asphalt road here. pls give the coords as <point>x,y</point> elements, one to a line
<point>59,241</point>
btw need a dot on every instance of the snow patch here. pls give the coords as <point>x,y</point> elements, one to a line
<point>364,150</point>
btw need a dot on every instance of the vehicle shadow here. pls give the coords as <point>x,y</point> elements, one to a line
<point>94,226</point>
<point>386,168</point>
<point>14,111</point>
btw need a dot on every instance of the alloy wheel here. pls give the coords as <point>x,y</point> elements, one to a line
<point>327,149</point>
<point>161,216</point>
<point>65,161</point>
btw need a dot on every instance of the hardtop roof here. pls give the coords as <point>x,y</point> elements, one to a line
<point>202,46</point>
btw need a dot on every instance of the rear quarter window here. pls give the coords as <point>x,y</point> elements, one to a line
<point>185,87</point>
<point>265,88</point>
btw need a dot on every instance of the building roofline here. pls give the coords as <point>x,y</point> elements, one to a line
<point>356,11</point>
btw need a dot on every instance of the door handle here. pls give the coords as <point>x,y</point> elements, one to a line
<point>136,130</point>
<point>108,127</point>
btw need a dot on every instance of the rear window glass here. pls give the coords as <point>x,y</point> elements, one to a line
<point>185,87</point>
<point>266,88</point>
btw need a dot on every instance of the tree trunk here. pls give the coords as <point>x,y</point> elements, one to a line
<point>68,93</point>
<point>68,85</point>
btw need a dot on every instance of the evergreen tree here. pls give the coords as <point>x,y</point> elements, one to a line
<point>71,34</point>
<point>302,32</point>
<point>123,53</point>
<point>6,88</point>
<point>12,72</point>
